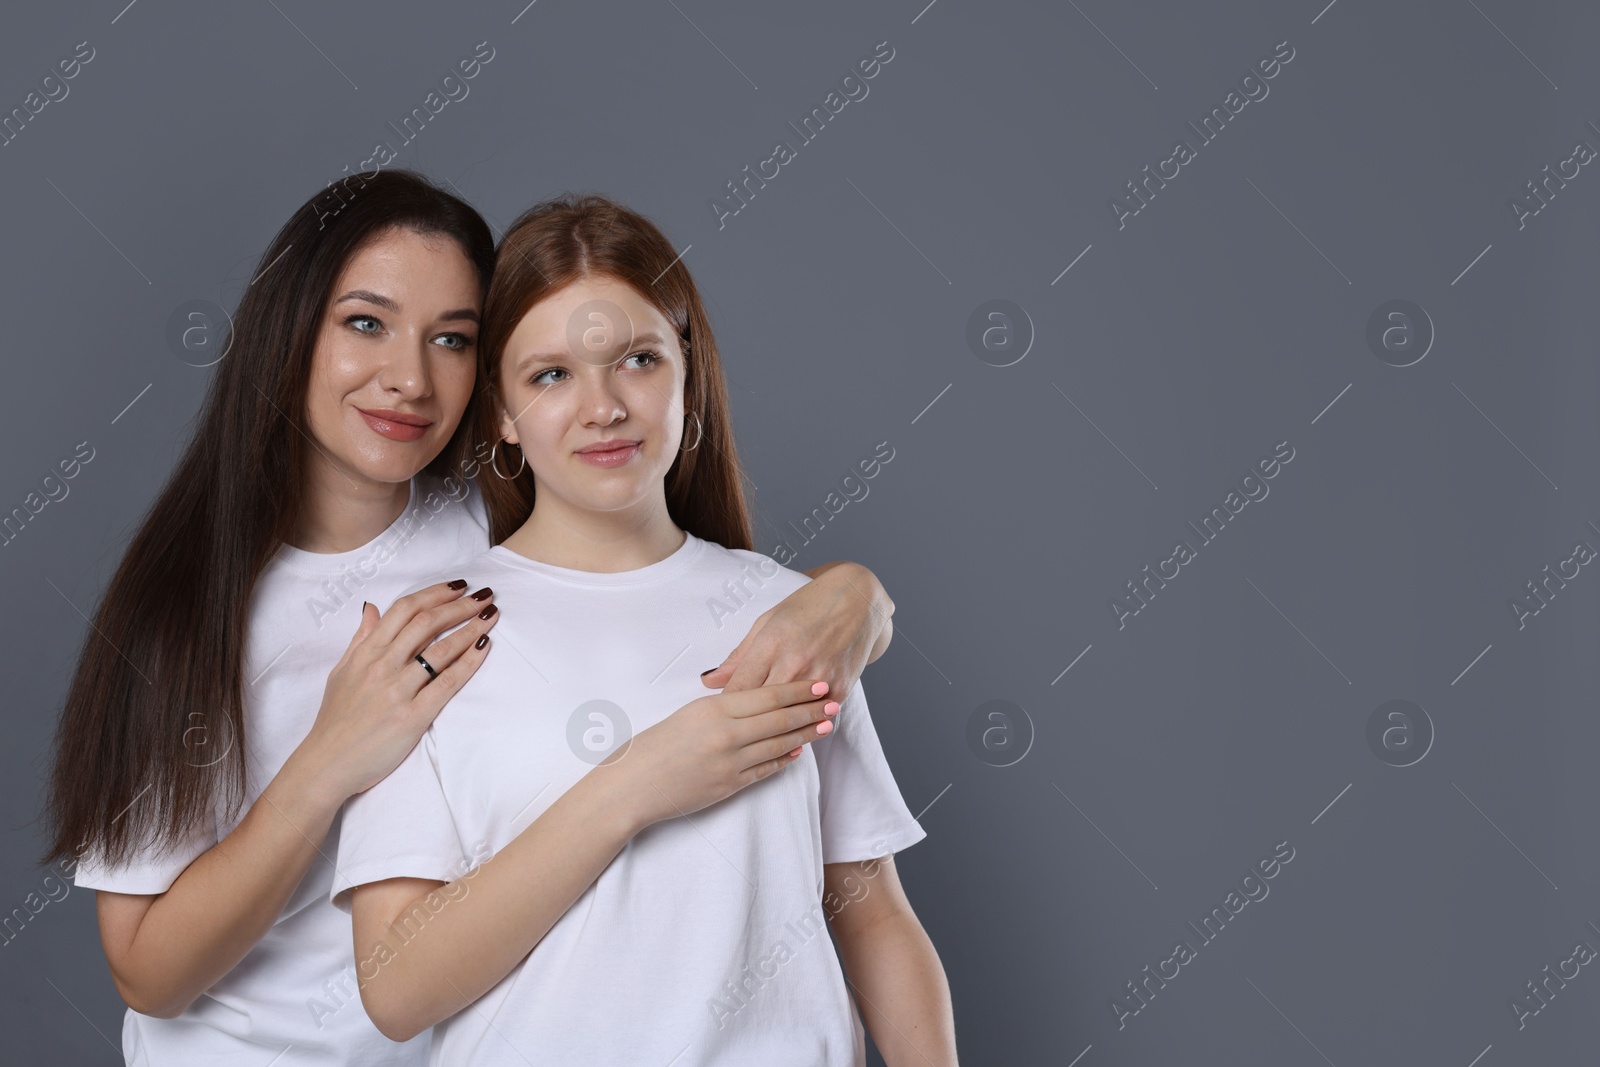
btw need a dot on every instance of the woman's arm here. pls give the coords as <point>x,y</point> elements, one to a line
<point>830,628</point>
<point>894,972</point>
<point>480,926</point>
<point>166,949</point>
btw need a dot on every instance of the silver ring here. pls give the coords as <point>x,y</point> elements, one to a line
<point>432,674</point>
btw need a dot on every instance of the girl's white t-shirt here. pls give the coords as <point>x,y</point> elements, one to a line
<point>294,994</point>
<point>705,941</point>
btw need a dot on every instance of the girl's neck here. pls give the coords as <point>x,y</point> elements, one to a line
<point>601,542</point>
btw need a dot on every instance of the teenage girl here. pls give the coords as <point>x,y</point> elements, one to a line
<point>222,712</point>
<point>649,915</point>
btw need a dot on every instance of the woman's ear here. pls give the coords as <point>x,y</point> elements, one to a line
<point>508,429</point>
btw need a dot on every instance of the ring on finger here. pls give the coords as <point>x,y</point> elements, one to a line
<point>432,674</point>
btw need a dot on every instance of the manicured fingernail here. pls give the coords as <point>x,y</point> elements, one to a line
<point>363,607</point>
<point>483,594</point>
<point>830,708</point>
<point>707,671</point>
<point>796,752</point>
<point>488,612</point>
<point>459,583</point>
<point>481,641</point>
<point>818,688</point>
<point>824,727</point>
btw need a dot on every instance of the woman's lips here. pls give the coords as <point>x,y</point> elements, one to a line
<point>388,424</point>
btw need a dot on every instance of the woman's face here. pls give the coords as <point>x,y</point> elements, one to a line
<point>395,357</point>
<point>594,363</point>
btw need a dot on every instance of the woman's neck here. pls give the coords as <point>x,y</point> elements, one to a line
<point>602,542</point>
<point>340,512</point>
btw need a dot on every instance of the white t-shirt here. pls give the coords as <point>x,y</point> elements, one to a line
<point>295,990</point>
<point>704,941</point>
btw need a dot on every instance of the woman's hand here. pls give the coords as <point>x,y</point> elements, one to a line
<point>830,628</point>
<point>714,746</point>
<point>379,700</point>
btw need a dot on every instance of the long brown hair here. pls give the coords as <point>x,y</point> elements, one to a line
<point>152,736</point>
<point>557,242</point>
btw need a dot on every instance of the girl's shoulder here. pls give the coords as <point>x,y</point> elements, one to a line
<point>758,570</point>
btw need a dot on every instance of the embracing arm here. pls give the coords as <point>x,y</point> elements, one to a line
<point>894,973</point>
<point>166,949</point>
<point>830,628</point>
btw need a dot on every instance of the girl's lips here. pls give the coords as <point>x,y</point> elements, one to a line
<point>394,431</point>
<point>614,457</point>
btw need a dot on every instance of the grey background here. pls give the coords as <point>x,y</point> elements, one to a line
<point>1226,316</point>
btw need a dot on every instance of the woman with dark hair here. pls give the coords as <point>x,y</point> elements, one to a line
<point>551,875</point>
<point>221,713</point>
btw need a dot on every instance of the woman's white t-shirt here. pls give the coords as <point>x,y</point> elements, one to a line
<point>294,994</point>
<point>705,940</point>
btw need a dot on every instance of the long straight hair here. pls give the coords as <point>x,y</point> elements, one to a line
<point>550,246</point>
<point>151,743</point>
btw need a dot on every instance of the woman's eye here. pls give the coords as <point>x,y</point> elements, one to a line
<point>457,341</point>
<point>651,356</point>
<point>354,321</point>
<point>539,379</point>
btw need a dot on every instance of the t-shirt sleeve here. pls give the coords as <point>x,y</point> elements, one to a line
<point>863,815</point>
<point>150,870</point>
<point>402,827</point>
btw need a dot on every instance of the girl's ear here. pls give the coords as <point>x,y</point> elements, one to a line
<point>508,429</point>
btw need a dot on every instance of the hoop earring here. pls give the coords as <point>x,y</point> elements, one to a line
<point>699,432</point>
<point>496,467</point>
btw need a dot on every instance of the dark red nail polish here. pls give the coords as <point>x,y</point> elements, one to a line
<point>707,671</point>
<point>459,583</point>
<point>483,594</point>
<point>481,641</point>
<point>488,612</point>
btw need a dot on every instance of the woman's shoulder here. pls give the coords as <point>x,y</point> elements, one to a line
<point>438,490</point>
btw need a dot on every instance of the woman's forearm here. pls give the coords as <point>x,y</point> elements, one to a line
<point>483,924</point>
<point>873,595</point>
<point>900,987</point>
<point>165,951</point>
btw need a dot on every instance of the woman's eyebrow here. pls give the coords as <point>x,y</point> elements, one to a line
<point>370,297</point>
<point>456,315</point>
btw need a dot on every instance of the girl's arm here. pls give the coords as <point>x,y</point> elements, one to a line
<point>480,926</point>
<point>166,949</point>
<point>893,970</point>
<point>830,628</point>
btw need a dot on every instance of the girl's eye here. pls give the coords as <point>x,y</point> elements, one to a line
<point>354,320</point>
<point>457,341</point>
<point>540,379</point>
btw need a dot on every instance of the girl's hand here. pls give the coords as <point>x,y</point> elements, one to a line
<point>716,745</point>
<point>379,700</point>
<point>830,628</point>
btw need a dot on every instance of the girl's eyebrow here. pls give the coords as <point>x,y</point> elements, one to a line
<point>555,357</point>
<point>456,315</point>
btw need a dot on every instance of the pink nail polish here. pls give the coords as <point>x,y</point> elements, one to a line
<point>819,688</point>
<point>824,727</point>
<point>830,708</point>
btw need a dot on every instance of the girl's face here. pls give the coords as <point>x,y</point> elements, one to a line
<point>395,358</point>
<point>594,363</point>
